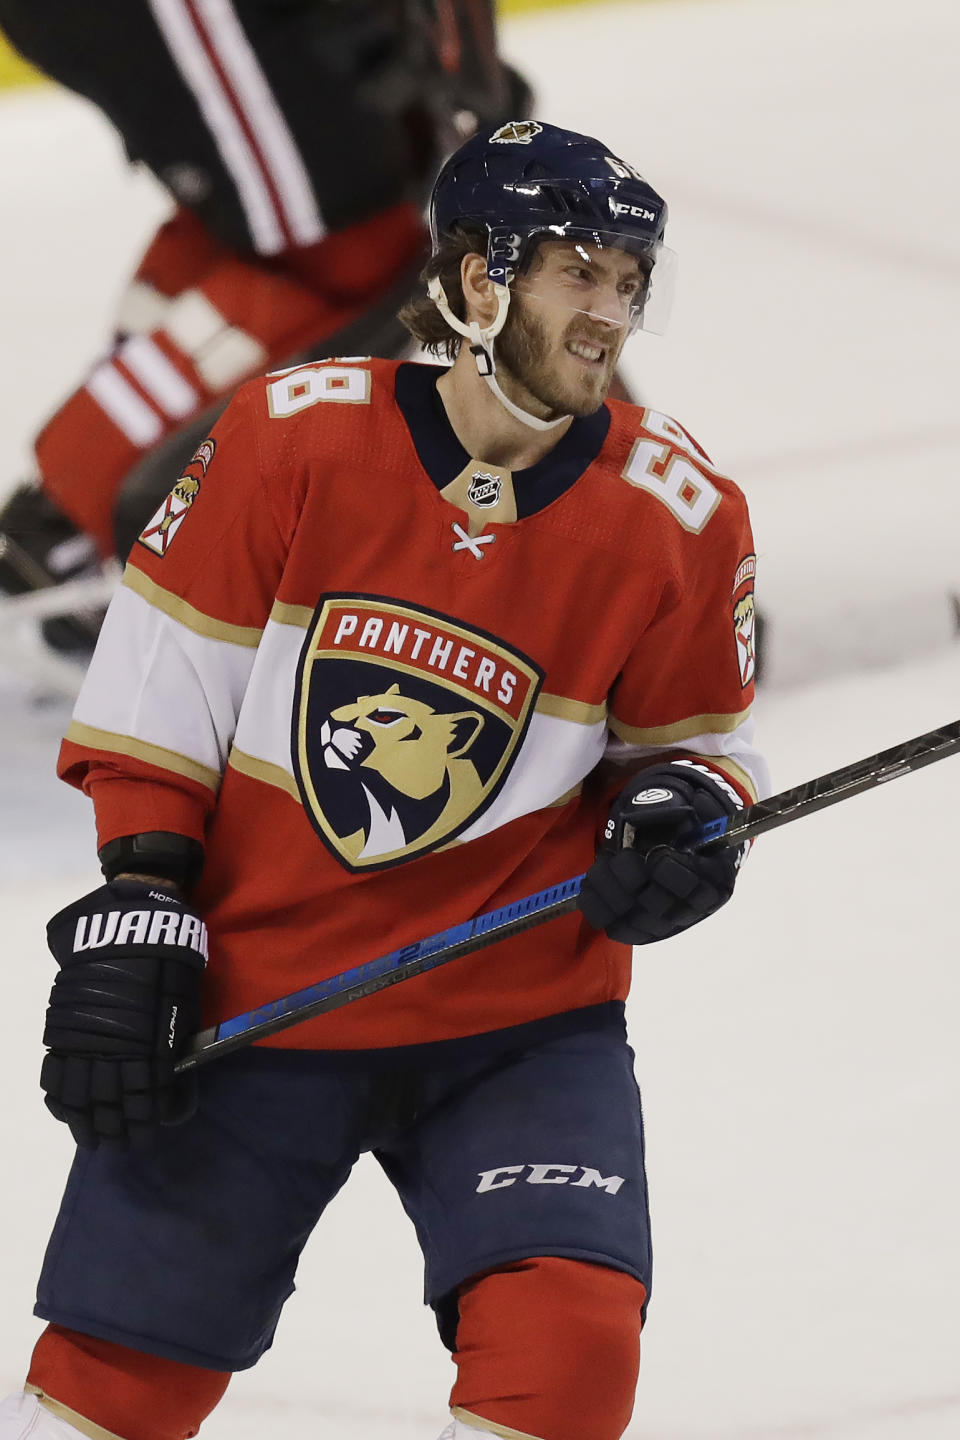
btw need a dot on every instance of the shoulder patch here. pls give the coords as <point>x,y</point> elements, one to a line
<point>159,531</point>
<point>745,618</point>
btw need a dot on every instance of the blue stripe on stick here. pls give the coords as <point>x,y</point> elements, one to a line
<point>435,946</point>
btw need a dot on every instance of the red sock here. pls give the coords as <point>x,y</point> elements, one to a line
<point>232,316</point>
<point>550,1348</point>
<point>133,1395</point>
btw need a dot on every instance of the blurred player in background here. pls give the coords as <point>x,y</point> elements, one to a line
<point>298,140</point>
<point>402,645</point>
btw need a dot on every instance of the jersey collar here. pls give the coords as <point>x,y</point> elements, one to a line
<point>444,458</point>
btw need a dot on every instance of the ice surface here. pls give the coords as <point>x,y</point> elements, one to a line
<point>798,1054</point>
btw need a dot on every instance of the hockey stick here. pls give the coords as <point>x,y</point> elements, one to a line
<point>560,899</point>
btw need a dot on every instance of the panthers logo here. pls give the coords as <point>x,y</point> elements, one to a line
<point>417,780</point>
<point>166,521</point>
<point>398,750</point>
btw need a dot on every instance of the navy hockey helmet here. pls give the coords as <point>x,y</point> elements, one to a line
<point>528,181</point>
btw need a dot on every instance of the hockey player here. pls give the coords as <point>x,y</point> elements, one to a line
<point>298,140</point>
<point>403,644</point>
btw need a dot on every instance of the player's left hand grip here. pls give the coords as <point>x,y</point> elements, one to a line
<point>644,885</point>
<point>121,1011</point>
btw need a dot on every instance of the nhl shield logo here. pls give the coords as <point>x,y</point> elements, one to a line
<point>166,521</point>
<point>516,132</point>
<point>405,727</point>
<point>484,490</point>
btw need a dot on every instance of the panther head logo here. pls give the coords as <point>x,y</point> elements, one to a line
<point>408,761</point>
<point>405,727</point>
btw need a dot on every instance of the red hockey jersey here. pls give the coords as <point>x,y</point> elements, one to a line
<point>384,682</point>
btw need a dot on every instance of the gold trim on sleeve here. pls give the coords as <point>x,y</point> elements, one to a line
<point>93,739</point>
<point>297,615</point>
<point>734,771</point>
<point>682,730</point>
<point>576,710</point>
<point>187,615</point>
<point>265,771</point>
<point>564,799</point>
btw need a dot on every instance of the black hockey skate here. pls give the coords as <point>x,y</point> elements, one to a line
<point>40,549</point>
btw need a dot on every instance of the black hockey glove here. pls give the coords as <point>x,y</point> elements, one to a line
<point>121,1010</point>
<point>642,888</point>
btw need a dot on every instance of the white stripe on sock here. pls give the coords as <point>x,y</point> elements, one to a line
<point>159,377</point>
<point>265,118</point>
<point>129,411</point>
<point>216,106</point>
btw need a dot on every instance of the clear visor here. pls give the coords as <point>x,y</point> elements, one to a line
<point>605,291</point>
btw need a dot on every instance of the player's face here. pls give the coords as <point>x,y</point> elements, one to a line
<point>568,319</point>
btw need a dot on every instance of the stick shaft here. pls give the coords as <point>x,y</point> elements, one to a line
<point>560,899</point>
<point>380,974</point>
<point>830,789</point>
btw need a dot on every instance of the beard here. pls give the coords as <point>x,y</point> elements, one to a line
<point>526,353</point>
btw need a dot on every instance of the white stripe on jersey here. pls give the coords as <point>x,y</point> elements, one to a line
<point>736,745</point>
<point>185,690</point>
<point>555,757</point>
<point>216,106</point>
<point>265,118</point>
<point>263,730</point>
<point>160,378</point>
<point>182,691</point>
<point>129,411</point>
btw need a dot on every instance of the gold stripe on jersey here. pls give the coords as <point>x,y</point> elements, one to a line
<point>264,771</point>
<point>93,739</point>
<point>574,710</point>
<point>297,615</point>
<point>557,804</point>
<point>681,730</point>
<point>565,799</point>
<point>733,771</point>
<point>186,615</point>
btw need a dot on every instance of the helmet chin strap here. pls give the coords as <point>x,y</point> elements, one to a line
<point>481,347</point>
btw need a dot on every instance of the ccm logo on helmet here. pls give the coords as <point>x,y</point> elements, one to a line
<point>620,207</point>
<point>506,1175</point>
